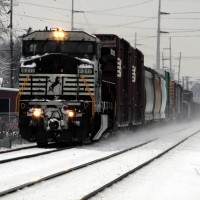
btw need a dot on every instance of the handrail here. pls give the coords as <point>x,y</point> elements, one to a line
<point>21,89</point>
<point>90,93</point>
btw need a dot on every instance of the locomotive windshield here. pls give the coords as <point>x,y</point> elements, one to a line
<point>72,48</point>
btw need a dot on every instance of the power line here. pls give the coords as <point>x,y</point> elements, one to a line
<point>40,18</point>
<point>88,11</point>
<point>183,13</point>
<point>186,31</point>
<point>84,15</point>
<point>119,8</point>
<point>134,22</point>
<point>183,18</point>
<point>103,25</point>
<point>117,15</point>
<point>39,5</point>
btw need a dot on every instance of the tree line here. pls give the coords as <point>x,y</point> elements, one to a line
<point>5,50</point>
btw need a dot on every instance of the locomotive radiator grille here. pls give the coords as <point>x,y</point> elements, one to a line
<point>56,84</point>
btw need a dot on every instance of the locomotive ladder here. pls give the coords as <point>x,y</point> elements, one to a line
<point>90,93</point>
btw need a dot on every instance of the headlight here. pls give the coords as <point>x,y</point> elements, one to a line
<point>70,113</point>
<point>37,112</point>
<point>59,34</point>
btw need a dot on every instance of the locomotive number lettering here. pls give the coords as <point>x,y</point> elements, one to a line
<point>119,68</point>
<point>133,74</point>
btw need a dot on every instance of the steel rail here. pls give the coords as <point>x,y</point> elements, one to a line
<point>18,149</point>
<point>31,155</point>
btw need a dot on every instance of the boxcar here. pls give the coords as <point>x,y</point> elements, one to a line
<point>176,99</point>
<point>123,67</point>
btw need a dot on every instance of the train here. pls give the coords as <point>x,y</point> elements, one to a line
<point>75,86</point>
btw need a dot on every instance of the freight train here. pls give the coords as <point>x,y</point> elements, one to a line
<point>74,86</point>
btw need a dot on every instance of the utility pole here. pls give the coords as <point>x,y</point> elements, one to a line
<point>170,54</point>
<point>163,63</point>
<point>158,38</point>
<point>158,35</point>
<point>136,44</point>
<point>72,17</point>
<point>179,67</point>
<point>72,22</point>
<point>135,40</point>
<point>183,82</point>
<point>11,43</point>
<point>186,82</point>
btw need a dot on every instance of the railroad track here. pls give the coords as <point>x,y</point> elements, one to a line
<point>18,149</point>
<point>132,171</point>
<point>29,155</point>
<point>66,171</point>
<point>92,163</point>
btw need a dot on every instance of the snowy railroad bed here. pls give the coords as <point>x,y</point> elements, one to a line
<point>77,184</point>
<point>174,176</point>
<point>24,152</point>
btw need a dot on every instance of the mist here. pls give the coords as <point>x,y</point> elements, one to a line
<point>122,139</point>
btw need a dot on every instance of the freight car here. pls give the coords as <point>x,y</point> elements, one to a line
<point>74,86</point>
<point>176,99</point>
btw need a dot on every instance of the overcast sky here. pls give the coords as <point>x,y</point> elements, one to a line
<point>125,18</point>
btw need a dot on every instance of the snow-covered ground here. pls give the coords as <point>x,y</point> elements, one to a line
<point>174,176</point>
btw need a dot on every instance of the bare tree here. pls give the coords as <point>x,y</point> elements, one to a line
<point>5,61</point>
<point>4,9</point>
<point>5,51</point>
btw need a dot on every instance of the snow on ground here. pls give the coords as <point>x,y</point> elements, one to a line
<point>164,176</point>
<point>174,176</point>
<point>17,173</point>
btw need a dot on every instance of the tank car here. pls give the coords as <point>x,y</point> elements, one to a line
<point>155,95</point>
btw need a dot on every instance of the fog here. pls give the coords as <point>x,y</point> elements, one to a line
<point>127,138</point>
